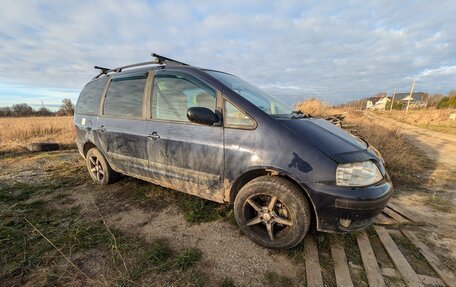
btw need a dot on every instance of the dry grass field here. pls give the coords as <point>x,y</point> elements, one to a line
<point>16,133</point>
<point>433,119</point>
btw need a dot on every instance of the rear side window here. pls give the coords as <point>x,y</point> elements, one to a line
<point>89,99</point>
<point>125,96</point>
<point>173,94</point>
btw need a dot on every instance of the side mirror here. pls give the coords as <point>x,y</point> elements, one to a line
<point>202,116</point>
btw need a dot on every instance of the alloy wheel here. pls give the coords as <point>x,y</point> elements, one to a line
<point>96,168</point>
<point>267,216</point>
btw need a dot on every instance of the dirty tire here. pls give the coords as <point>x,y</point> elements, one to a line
<point>272,205</point>
<point>99,169</point>
<point>37,147</point>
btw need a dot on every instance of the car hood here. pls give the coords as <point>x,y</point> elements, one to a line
<point>338,144</point>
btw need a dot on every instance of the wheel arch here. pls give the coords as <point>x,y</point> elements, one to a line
<point>250,175</point>
<point>87,146</point>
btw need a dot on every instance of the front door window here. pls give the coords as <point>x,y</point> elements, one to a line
<point>173,94</point>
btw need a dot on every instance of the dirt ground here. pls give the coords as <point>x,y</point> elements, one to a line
<point>150,213</point>
<point>440,193</point>
<point>228,256</point>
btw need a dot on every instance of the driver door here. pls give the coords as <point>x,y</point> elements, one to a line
<point>194,154</point>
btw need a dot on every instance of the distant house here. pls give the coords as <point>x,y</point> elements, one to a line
<point>417,100</point>
<point>376,103</point>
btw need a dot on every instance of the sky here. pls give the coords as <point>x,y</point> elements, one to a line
<point>333,50</point>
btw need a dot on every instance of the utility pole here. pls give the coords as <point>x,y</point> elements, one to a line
<point>392,101</point>
<point>410,96</point>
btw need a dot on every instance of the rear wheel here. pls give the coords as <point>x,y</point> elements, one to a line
<point>99,169</point>
<point>272,212</point>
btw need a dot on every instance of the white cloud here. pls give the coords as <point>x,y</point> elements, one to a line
<point>337,51</point>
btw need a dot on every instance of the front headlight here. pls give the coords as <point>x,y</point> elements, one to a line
<point>358,174</point>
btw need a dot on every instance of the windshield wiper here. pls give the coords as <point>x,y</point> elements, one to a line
<point>299,115</point>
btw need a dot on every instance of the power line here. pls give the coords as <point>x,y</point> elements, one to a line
<point>439,72</point>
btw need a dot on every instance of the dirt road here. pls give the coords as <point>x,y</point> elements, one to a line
<point>435,205</point>
<point>437,146</point>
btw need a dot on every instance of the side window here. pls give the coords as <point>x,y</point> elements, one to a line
<point>173,94</point>
<point>89,99</point>
<point>236,118</point>
<point>124,97</point>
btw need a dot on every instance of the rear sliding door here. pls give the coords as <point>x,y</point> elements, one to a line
<point>122,126</point>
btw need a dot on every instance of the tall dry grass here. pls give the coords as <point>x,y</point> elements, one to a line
<point>404,161</point>
<point>313,107</point>
<point>434,119</point>
<point>16,133</point>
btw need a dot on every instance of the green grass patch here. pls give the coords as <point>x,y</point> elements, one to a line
<point>23,249</point>
<point>152,257</point>
<point>197,278</point>
<point>198,210</point>
<point>326,260</point>
<point>186,259</point>
<point>413,255</point>
<point>19,191</point>
<point>227,282</point>
<point>275,280</point>
<point>67,173</point>
<point>350,246</point>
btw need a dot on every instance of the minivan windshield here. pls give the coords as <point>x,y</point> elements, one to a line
<point>265,102</point>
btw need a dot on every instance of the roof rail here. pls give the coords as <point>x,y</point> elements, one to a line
<point>163,60</point>
<point>160,60</point>
<point>103,70</point>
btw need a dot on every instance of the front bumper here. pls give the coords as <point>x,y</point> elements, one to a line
<point>358,205</point>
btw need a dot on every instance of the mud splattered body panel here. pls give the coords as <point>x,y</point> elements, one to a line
<point>210,161</point>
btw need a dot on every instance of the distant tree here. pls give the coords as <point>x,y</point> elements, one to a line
<point>5,112</point>
<point>22,110</point>
<point>448,101</point>
<point>67,108</point>
<point>434,100</point>
<point>397,105</point>
<point>44,112</point>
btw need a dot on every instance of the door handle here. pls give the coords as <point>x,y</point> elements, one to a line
<point>102,129</point>
<point>154,136</point>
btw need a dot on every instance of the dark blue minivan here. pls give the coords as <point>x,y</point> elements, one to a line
<point>213,135</point>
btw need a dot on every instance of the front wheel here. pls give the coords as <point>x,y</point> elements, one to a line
<point>272,212</point>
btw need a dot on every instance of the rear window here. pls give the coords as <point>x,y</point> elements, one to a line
<point>125,96</point>
<point>89,99</point>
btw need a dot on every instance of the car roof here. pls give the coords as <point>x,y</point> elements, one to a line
<point>161,62</point>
